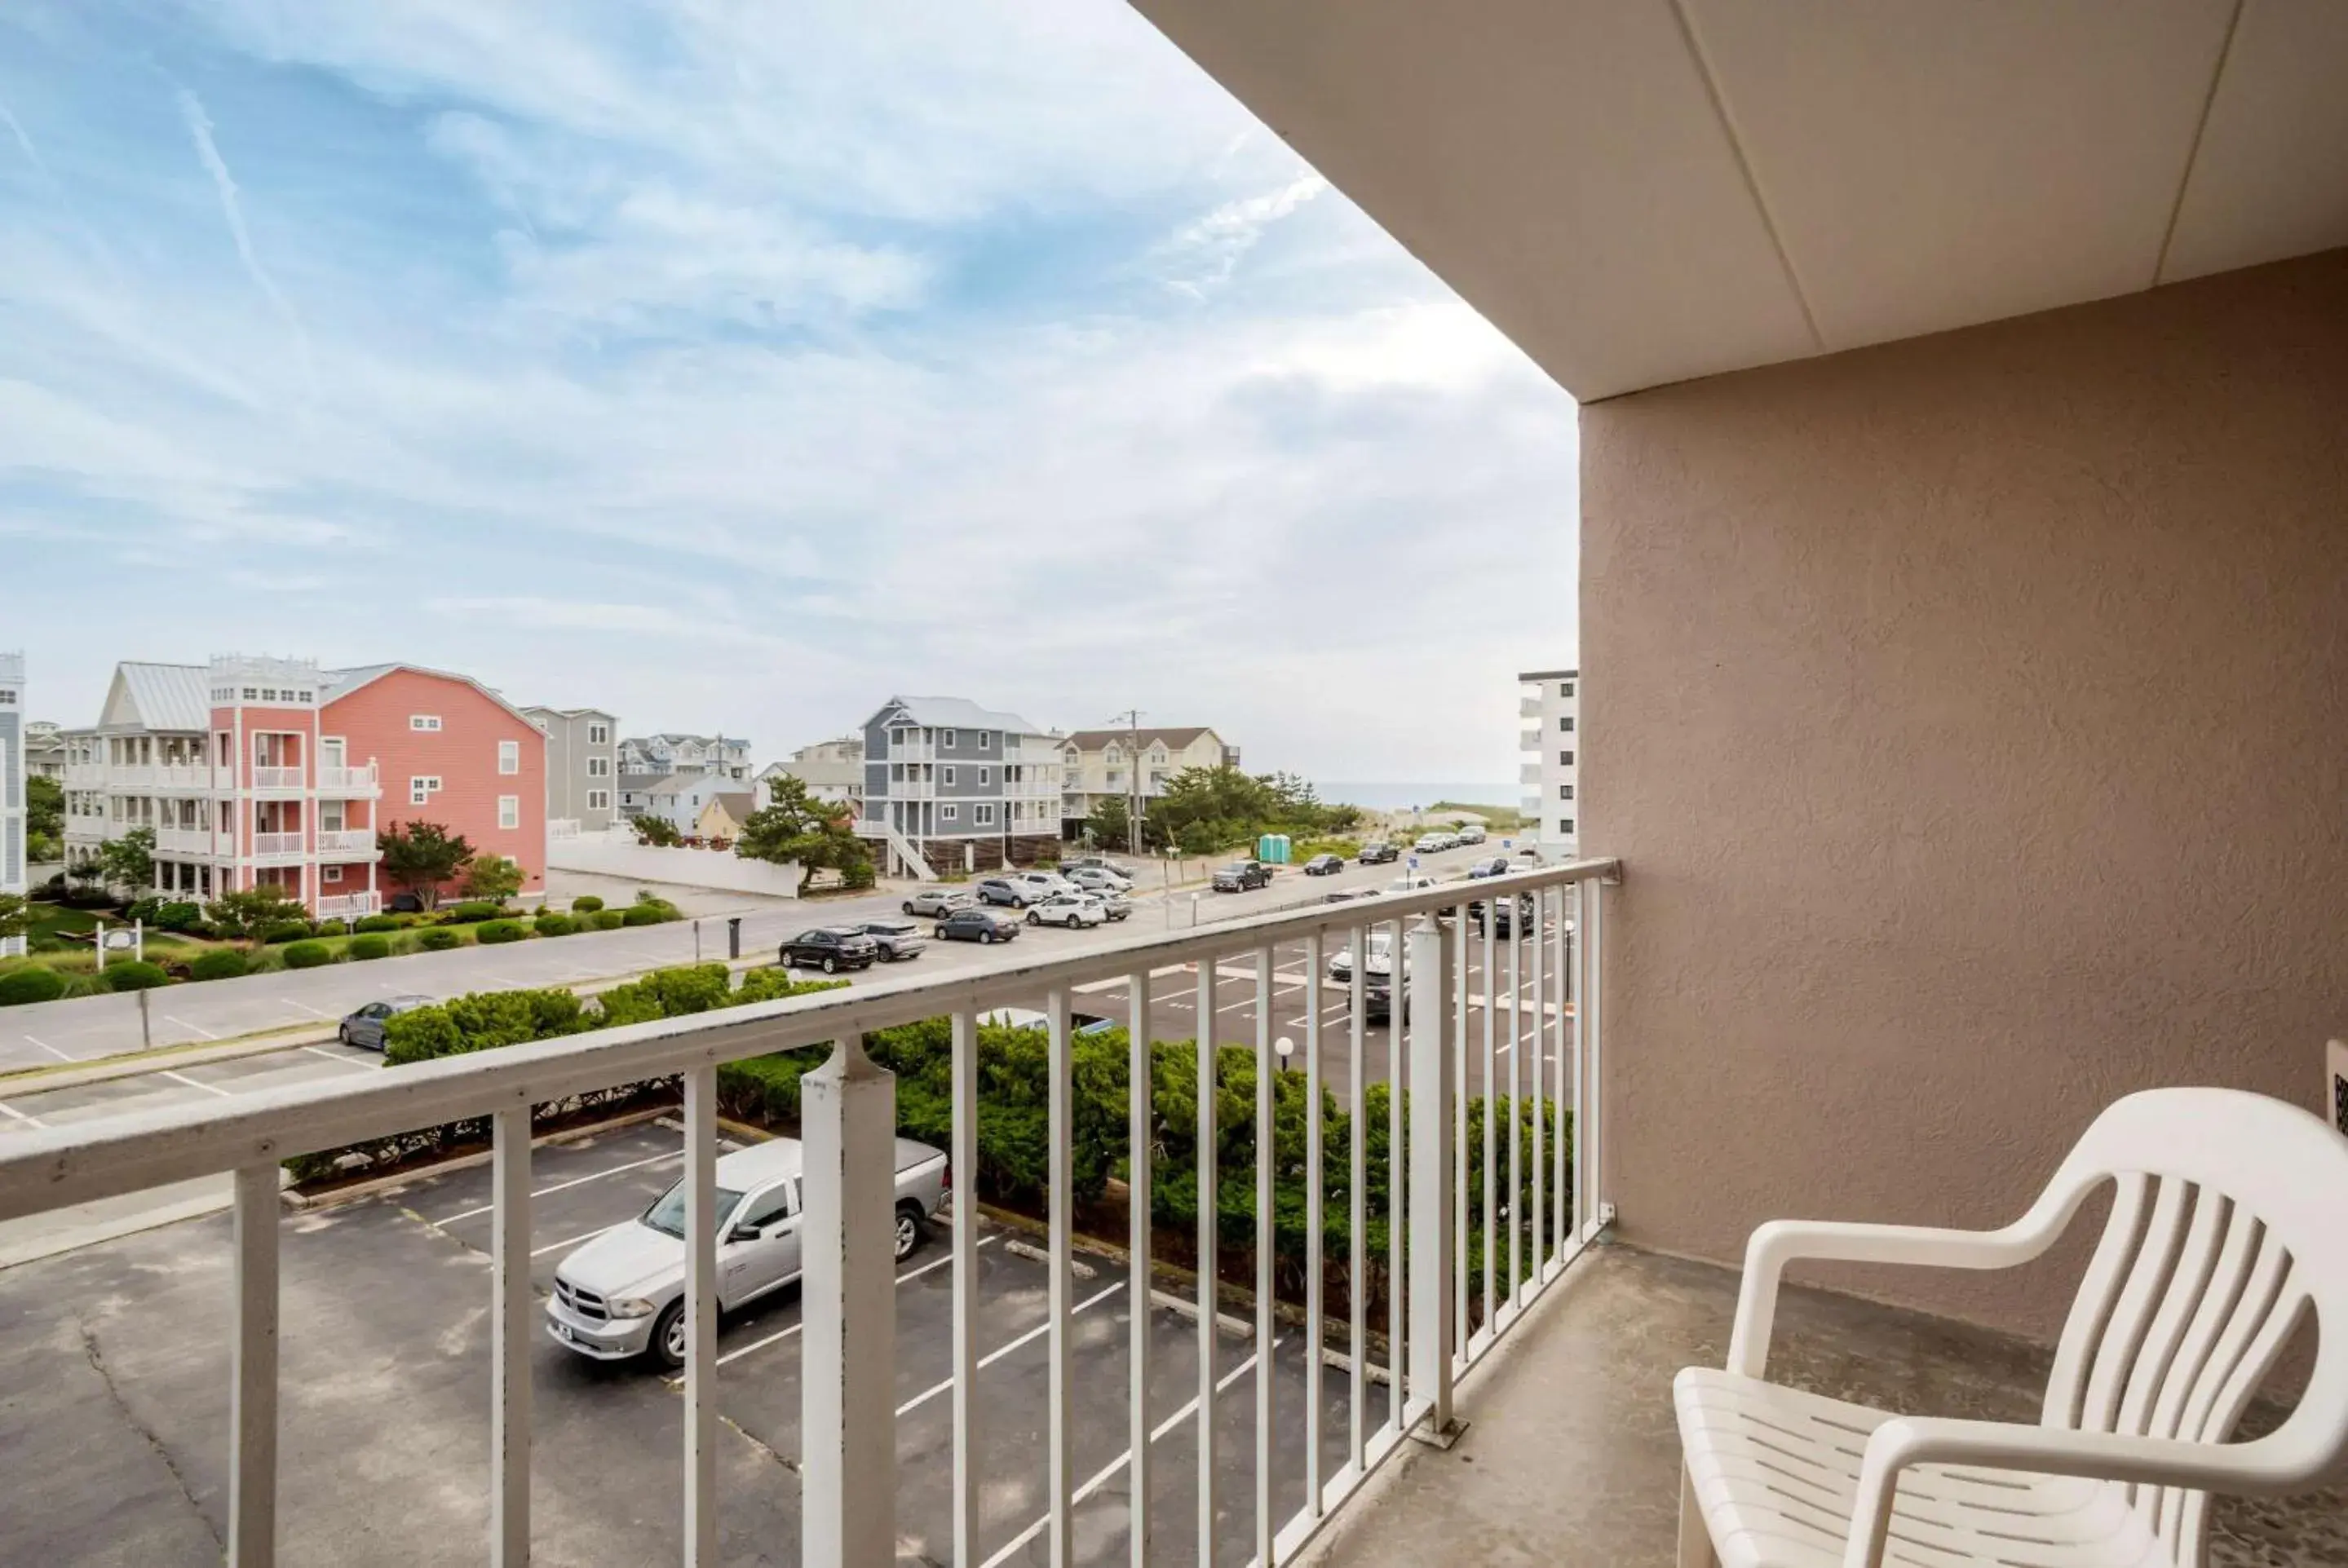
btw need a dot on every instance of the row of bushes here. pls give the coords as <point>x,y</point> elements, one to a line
<point>488,1020</point>
<point>40,983</point>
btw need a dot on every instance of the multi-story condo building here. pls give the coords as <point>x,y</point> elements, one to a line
<point>45,750</point>
<point>273,772</point>
<point>581,765</point>
<point>1551,706</point>
<point>671,754</point>
<point>831,770</point>
<point>948,784</point>
<point>12,785</point>
<point>1132,765</point>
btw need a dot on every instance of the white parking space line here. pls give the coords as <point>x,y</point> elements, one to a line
<point>574,1241</point>
<point>926,1395</point>
<point>565,1186</point>
<point>196,1083</point>
<point>303,1007</point>
<point>334,1056</point>
<point>782,1334</point>
<point>192,1028</point>
<point>52,1049</point>
<point>13,1114</point>
<point>1100,1477</point>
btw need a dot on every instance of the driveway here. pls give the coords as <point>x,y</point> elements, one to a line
<point>114,1396</point>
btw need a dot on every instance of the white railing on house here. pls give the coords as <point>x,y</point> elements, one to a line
<point>353,842</point>
<point>86,776</point>
<point>562,827</point>
<point>183,841</point>
<point>1529,708</point>
<point>348,906</point>
<point>275,778</point>
<point>348,781</point>
<point>276,843</point>
<point>1515,1009</point>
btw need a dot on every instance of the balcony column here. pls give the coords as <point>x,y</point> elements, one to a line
<point>1433,1327</point>
<point>848,1303</point>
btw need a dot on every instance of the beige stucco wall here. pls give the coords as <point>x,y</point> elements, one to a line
<point>1971,715</point>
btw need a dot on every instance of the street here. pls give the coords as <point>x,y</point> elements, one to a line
<point>114,1393</point>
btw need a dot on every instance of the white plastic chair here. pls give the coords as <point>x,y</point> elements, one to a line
<point>2229,1223</point>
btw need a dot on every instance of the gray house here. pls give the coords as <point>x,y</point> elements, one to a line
<point>949,785</point>
<point>12,785</point>
<point>581,765</point>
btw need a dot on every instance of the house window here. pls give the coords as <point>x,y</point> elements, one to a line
<point>949,742</point>
<point>330,874</point>
<point>1565,825</point>
<point>1565,759</point>
<point>985,778</point>
<point>599,734</point>
<point>599,767</point>
<point>599,800</point>
<point>984,815</point>
<point>428,722</point>
<point>422,787</point>
<point>949,777</point>
<point>1565,791</point>
<point>986,740</point>
<point>1565,723</point>
<point>508,756</point>
<point>509,811</point>
<point>949,812</point>
<point>1565,687</point>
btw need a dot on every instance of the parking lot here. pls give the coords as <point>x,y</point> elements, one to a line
<point>113,1395</point>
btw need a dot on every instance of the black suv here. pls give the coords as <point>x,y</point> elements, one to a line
<point>1243,875</point>
<point>1522,904</point>
<point>972,924</point>
<point>831,949</point>
<point>1492,865</point>
<point>1378,852</point>
<point>1324,865</point>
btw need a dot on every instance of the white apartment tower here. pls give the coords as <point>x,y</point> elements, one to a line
<point>1550,708</point>
<point>12,785</point>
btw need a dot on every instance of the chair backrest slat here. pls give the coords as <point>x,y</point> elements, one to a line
<point>2099,1292</point>
<point>2116,1348</point>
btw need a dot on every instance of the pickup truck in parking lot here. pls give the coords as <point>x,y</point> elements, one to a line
<point>621,1294</point>
<point>1240,876</point>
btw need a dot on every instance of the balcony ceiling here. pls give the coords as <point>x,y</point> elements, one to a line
<point>1643,191</point>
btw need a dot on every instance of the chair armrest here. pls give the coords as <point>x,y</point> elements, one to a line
<point>1907,1441</point>
<point>1781,1242</point>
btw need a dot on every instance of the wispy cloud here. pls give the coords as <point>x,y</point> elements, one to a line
<point>1207,252</point>
<point>25,142</point>
<point>200,129</point>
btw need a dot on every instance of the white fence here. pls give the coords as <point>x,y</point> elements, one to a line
<point>617,853</point>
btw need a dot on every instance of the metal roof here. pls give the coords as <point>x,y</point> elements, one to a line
<point>167,696</point>
<point>959,714</point>
<point>1178,739</point>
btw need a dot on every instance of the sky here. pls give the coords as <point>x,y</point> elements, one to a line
<point>738,365</point>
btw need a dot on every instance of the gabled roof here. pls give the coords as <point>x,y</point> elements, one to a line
<point>958,713</point>
<point>1175,740</point>
<point>342,683</point>
<point>643,783</point>
<point>569,713</point>
<point>738,803</point>
<point>159,697</point>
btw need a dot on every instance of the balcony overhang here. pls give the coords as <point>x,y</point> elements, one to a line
<point>1643,191</point>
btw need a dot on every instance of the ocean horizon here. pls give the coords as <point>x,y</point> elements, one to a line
<point>1389,796</point>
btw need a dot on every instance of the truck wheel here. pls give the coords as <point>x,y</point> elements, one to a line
<point>909,1230</point>
<point>667,1345</point>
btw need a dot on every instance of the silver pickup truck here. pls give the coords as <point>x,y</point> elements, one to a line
<point>623,1293</point>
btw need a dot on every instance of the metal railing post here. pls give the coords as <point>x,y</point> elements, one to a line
<point>1433,1327</point>
<point>848,1291</point>
<point>511,1309</point>
<point>253,1372</point>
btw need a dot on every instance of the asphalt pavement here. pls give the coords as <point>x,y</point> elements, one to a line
<point>114,1396</point>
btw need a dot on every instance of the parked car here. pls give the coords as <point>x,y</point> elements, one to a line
<point>1074,862</point>
<point>973,923</point>
<point>1434,843</point>
<point>939,901</point>
<point>1324,865</point>
<point>1240,876</point>
<point>1341,962</point>
<point>1347,894</point>
<point>1043,883</point>
<point>1074,910</point>
<point>365,1027</point>
<point>1028,1018</point>
<point>1115,905</point>
<point>1470,833</point>
<point>1377,996</point>
<point>1416,882</point>
<point>1522,904</point>
<point>404,904</point>
<point>1378,852</point>
<point>1100,879</point>
<point>1005,891</point>
<point>831,949</point>
<point>1490,866</point>
<point>896,940</point>
<point>621,1294</point>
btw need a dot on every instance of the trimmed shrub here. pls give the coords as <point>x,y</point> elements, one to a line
<point>667,993</point>
<point>766,1088</point>
<point>643,914</point>
<point>492,932</point>
<point>288,931</point>
<point>437,939</point>
<point>610,919</point>
<point>553,925</point>
<point>470,912</point>
<point>135,976</point>
<point>333,929</point>
<point>369,947</point>
<point>221,964</point>
<point>585,904</point>
<point>308,956</point>
<point>33,983</point>
<point>376,923</point>
<point>481,1022</point>
<point>178,918</point>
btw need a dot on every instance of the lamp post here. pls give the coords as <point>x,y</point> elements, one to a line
<point>1287,1049</point>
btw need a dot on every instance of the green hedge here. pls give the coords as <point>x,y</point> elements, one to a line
<point>219,964</point>
<point>308,956</point>
<point>135,976</point>
<point>585,904</point>
<point>437,939</point>
<point>369,947</point>
<point>643,914</point>
<point>33,983</point>
<point>288,931</point>
<point>610,919</point>
<point>470,912</point>
<point>369,923</point>
<point>553,925</point>
<point>491,933</point>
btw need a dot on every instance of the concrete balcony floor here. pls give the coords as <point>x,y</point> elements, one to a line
<point>1572,1457</point>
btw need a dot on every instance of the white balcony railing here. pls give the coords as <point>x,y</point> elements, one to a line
<point>275,778</point>
<point>1530,774</point>
<point>1489,1013</point>
<point>86,776</point>
<point>348,906</point>
<point>183,841</point>
<point>1529,708</point>
<point>352,782</point>
<point>352,843</point>
<point>268,845</point>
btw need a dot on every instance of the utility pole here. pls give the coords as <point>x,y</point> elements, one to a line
<point>1131,718</point>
